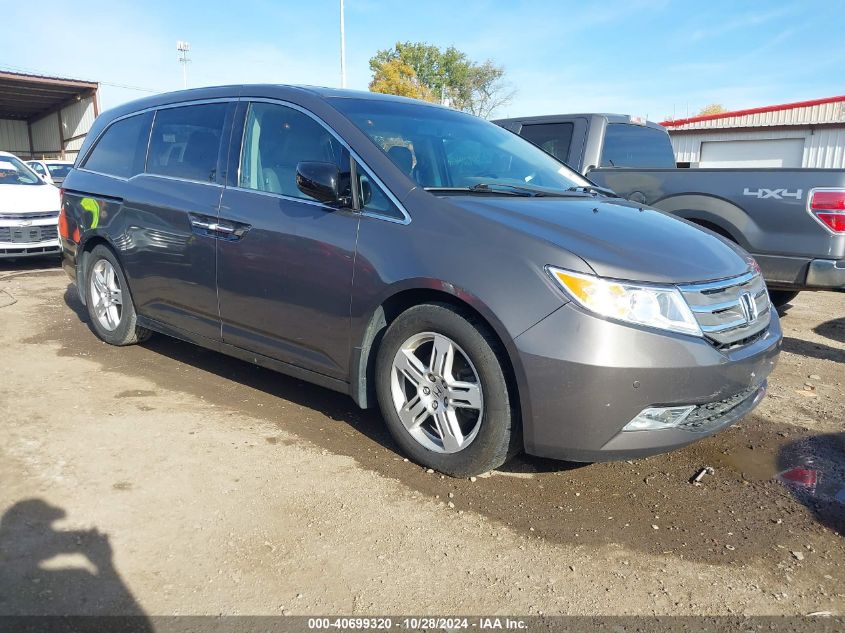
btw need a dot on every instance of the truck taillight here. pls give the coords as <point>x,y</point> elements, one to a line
<point>828,205</point>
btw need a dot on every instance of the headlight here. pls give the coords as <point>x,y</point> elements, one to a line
<point>660,307</point>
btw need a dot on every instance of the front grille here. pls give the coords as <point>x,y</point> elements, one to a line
<point>725,309</point>
<point>707,416</point>
<point>33,215</point>
<point>46,233</point>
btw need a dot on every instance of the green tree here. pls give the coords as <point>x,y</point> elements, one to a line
<point>451,76</point>
<point>713,108</point>
<point>395,77</point>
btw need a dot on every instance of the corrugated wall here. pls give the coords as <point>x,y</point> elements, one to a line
<point>45,135</point>
<point>78,117</point>
<point>823,147</point>
<point>13,136</point>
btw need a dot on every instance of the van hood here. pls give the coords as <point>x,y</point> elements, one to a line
<point>29,198</point>
<point>616,238</point>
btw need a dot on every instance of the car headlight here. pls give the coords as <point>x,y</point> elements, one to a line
<point>662,307</point>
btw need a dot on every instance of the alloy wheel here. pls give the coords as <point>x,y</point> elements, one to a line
<point>106,295</point>
<point>437,392</point>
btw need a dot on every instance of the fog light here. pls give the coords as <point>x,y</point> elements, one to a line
<point>655,418</point>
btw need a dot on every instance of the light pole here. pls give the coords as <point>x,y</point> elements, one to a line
<point>183,48</point>
<point>342,49</point>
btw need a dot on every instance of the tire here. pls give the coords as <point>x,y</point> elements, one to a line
<point>117,326</point>
<point>780,298</point>
<point>470,393</point>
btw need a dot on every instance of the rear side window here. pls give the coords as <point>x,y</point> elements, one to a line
<point>554,138</point>
<point>122,148</point>
<point>636,146</point>
<point>186,141</point>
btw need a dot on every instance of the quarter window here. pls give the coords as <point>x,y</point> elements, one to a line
<point>186,141</point>
<point>276,139</point>
<point>373,199</point>
<point>122,148</point>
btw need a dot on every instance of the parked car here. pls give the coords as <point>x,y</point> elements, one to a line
<point>29,210</point>
<point>51,171</point>
<point>401,252</point>
<point>791,220</point>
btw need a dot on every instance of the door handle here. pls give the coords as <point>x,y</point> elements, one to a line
<point>200,224</point>
<point>231,230</point>
<point>223,230</point>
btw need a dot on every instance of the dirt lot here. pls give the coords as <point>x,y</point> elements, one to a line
<point>164,479</point>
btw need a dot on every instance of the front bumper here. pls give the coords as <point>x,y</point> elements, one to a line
<point>826,273</point>
<point>24,237</point>
<point>586,378</point>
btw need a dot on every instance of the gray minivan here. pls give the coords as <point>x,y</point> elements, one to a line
<point>487,297</point>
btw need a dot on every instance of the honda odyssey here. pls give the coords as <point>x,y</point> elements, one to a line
<point>487,297</point>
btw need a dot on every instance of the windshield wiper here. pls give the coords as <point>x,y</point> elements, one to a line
<point>498,188</point>
<point>604,191</point>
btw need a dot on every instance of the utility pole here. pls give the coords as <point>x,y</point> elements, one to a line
<point>342,48</point>
<point>183,48</point>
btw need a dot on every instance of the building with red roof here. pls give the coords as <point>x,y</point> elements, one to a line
<point>800,134</point>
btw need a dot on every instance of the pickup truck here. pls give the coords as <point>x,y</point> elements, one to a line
<point>792,221</point>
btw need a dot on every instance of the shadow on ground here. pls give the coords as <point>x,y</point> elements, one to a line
<point>46,571</point>
<point>833,329</point>
<point>813,349</point>
<point>29,264</point>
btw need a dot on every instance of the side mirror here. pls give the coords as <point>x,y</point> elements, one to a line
<point>320,181</point>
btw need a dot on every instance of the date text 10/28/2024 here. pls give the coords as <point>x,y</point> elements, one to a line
<point>412,623</point>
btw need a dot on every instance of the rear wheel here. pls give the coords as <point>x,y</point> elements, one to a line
<point>109,303</point>
<point>443,391</point>
<point>780,298</point>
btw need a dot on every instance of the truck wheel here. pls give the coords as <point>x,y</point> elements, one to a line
<point>780,298</point>
<point>443,392</point>
<point>109,303</point>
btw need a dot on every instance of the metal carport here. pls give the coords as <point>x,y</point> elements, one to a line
<point>45,117</point>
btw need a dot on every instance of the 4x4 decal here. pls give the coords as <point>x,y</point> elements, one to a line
<point>776,194</point>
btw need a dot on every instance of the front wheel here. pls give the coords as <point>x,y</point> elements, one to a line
<point>780,298</point>
<point>443,391</point>
<point>110,307</point>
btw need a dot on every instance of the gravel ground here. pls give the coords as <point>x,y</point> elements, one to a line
<point>165,479</point>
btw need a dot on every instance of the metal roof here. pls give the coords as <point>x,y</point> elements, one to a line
<point>813,112</point>
<point>28,97</point>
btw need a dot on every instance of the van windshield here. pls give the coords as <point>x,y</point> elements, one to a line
<point>442,149</point>
<point>14,172</point>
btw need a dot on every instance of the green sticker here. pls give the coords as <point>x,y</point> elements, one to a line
<point>89,204</point>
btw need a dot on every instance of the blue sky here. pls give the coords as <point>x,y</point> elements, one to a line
<point>644,57</point>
